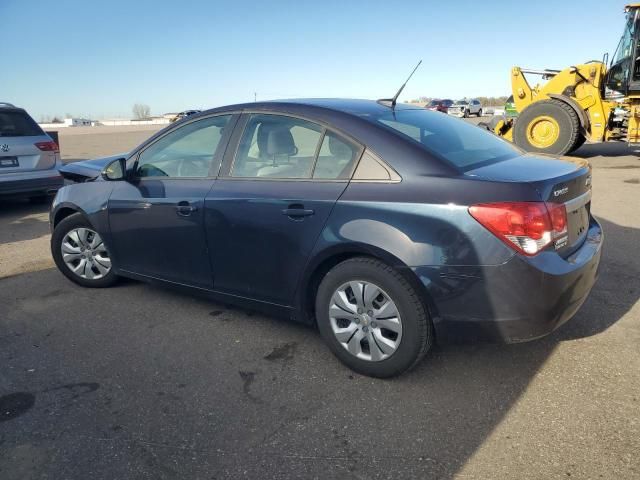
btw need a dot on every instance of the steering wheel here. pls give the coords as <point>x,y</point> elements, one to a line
<point>190,167</point>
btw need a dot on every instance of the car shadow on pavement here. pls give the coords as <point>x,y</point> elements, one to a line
<point>152,381</point>
<point>608,149</point>
<point>23,220</point>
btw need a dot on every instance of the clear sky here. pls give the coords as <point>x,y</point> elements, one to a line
<point>98,58</point>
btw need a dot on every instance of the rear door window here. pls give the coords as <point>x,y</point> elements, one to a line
<point>18,124</point>
<point>335,159</point>
<point>281,147</point>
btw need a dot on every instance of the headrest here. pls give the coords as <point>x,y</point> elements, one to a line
<point>275,140</point>
<point>338,148</point>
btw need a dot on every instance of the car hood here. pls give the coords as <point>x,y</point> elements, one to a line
<point>87,169</point>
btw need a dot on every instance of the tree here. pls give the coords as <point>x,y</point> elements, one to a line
<point>141,111</point>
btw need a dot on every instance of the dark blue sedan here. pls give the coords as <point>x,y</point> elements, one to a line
<point>388,227</point>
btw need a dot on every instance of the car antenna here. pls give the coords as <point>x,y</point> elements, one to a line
<point>391,102</point>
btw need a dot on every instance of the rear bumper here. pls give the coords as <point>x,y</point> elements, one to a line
<point>455,113</point>
<point>520,300</point>
<point>45,181</point>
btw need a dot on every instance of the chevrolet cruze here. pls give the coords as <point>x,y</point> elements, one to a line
<point>389,227</point>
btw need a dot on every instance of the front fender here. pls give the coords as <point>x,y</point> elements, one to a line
<point>90,199</point>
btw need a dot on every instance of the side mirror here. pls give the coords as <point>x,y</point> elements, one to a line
<point>116,170</point>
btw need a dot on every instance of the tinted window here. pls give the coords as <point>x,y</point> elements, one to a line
<point>18,124</point>
<point>335,159</point>
<point>460,143</point>
<point>186,152</point>
<point>274,146</point>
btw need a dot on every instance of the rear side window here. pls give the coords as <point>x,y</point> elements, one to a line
<point>18,124</point>
<point>335,159</point>
<point>460,143</point>
<point>281,147</point>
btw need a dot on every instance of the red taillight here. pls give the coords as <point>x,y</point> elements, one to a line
<point>48,146</point>
<point>527,227</point>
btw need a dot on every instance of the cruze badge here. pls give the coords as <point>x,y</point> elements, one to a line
<point>4,147</point>
<point>562,191</point>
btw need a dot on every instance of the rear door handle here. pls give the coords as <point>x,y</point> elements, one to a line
<point>297,212</point>
<point>184,209</point>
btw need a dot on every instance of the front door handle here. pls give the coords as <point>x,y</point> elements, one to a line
<point>297,211</point>
<point>184,209</point>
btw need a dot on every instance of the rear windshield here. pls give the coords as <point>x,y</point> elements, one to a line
<point>464,145</point>
<point>18,124</point>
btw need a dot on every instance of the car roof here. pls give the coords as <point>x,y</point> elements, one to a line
<point>356,107</point>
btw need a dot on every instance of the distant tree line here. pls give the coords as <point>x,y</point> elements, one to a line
<point>485,101</point>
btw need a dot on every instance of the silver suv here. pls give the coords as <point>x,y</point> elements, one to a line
<point>464,108</point>
<point>29,158</point>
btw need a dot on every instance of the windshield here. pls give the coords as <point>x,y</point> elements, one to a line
<point>626,42</point>
<point>461,102</point>
<point>434,103</point>
<point>460,143</point>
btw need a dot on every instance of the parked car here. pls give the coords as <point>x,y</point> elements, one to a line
<point>184,114</point>
<point>387,227</point>
<point>464,108</point>
<point>439,105</point>
<point>29,158</point>
<point>510,108</point>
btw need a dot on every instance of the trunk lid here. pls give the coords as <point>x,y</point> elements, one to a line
<point>561,180</point>
<point>20,154</point>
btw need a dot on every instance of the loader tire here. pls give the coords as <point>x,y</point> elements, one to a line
<point>579,142</point>
<point>547,126</point>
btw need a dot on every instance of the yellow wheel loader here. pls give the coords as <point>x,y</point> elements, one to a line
<point>588,102</point>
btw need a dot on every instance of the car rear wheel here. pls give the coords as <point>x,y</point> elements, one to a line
<point>81,254</point>
<point>371,318</point>
<point>480,113</point>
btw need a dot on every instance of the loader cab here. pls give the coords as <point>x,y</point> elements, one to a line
<point>624,73</point>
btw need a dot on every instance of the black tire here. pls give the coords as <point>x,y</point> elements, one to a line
<point>71,222</point>
<point>417,330</point>
<point>579,142</point>
<point>465,114</point>
<point>566,118</point>
<point>479,113</point>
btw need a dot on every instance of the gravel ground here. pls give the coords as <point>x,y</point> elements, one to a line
<point>141,382</point>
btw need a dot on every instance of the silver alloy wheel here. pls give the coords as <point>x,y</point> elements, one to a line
<point>365,320</point>
<point>84,254</point>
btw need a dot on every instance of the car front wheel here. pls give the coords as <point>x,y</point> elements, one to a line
<point>81,254</point>
<point>372,318</point>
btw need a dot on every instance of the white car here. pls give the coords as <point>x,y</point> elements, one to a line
<point>464,108</point>
<point>29,158</point>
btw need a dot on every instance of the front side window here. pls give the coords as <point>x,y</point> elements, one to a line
<point>280,147</point>
<point>460,143</point>
<point>188,151</point>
